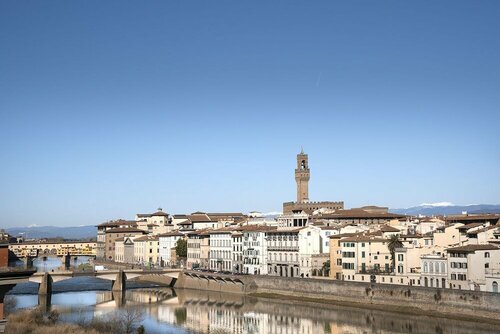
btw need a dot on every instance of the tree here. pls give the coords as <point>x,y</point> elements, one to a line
<point>130,318</point>
<point>181,248</point>
<point>326,268</point>
<point>394,243</point>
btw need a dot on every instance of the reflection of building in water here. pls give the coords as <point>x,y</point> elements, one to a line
<point>197,318</point>
<point>165,313</point>
<point>286,324</point>
<point>225,319</point>
<point>215,312</point>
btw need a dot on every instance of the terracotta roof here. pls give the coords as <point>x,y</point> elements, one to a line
<point>224,230</point>
<point>387,228</point>
<point>484,217</point>
<point>146,238</point>
<point>171,234</point>
<point>256,228</point>
<point>159,213</point>
<point>410,236</point>
<point>284,231</point>
<point>468,226</point>
<point>484,229</point>
<point>118,222</point>
<point>473,248</point>
<point>180,216</point>
<point>197,218</point>
<point>125,230</point>
<point>364,239</point>
<point>344,235</point>
<point>357,214</point>
<point>329,228</point>
<point>199,232</point>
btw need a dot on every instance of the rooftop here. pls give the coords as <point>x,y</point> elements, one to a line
<point>473,248</point>
<point>358,214</point>
<point>125,230</point>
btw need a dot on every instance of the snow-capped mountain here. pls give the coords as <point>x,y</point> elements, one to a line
<point>447,208</point>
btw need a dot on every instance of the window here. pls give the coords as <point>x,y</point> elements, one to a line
<point>486,265</point>
<point>487,254</point>
<point>400,257</point>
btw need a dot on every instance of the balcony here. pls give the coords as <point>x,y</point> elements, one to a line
<point>375,271</point>
<point>283,248</point>
<point>270,262</point>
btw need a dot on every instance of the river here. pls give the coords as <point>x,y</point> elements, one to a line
<point>191,311</point>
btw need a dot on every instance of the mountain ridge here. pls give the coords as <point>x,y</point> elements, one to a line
<point>66,232</point>
<point>446,208</point>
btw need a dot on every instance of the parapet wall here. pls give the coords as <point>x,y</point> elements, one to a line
<point>447,302</point>
<point>288,207</point>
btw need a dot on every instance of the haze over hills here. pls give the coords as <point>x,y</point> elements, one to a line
<point>66,232</point>
<point>446,208</point>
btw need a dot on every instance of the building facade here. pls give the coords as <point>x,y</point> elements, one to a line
<point>167,242</point>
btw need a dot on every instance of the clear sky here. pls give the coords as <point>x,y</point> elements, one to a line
<point>108,108</point>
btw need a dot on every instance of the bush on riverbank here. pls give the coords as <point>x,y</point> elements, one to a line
<point>37,322</point>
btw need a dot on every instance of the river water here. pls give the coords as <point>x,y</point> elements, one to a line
<point>192,311</point>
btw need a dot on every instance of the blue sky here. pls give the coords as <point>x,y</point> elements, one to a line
<point>112,108</point>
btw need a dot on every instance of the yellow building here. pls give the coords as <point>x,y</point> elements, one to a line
<point>146,250</point>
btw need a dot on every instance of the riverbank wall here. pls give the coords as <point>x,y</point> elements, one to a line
<point>464,304</point>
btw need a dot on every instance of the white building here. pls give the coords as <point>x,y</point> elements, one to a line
<point>221,249</point>
<point>167,241</point>
<point>434,270</point>
<point>255,250</point>
<point>468,265</point>
<point>290,251</point>
<point>237,244</point>
<point>294,219</point>
<point>325,233</point>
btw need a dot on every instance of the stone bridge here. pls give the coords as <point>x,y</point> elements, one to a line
<point>118,277</point>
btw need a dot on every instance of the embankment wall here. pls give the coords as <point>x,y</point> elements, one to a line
<point>455,303</point>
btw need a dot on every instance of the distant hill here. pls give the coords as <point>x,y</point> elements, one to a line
<point>69,232</point>
<point>447,209</point>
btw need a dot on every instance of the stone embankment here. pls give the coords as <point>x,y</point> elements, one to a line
<point>464,304</point>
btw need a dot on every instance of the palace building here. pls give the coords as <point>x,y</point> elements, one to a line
<point>302,176</point>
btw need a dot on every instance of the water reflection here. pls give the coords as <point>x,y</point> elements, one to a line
<point>183,311</point>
